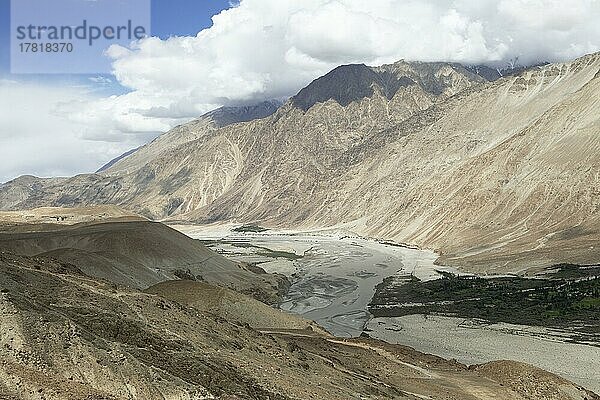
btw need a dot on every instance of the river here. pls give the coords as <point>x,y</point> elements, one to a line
<point>334,275</point>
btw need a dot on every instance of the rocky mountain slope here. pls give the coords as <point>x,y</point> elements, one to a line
<point>138,254</point>
<point>66,335</point>
<point>229,115</point>
<point>116,160</point>
<point>182,134</point>
<point>496,176</point>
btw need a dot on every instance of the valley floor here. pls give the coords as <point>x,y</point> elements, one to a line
<point>334,276</point>
<point>474,342</point>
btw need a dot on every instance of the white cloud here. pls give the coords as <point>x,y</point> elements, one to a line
<point>36,137</point>
<point>265,49</point>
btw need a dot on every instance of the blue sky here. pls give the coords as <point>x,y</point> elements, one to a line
<point>169,18</point>
<point>183,17</point>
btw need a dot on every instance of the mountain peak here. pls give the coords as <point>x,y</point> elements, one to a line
<point>231,115</point>
<point>346,84</point>
<point>353,82</point>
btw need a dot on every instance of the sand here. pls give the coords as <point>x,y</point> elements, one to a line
<point>473,343</point>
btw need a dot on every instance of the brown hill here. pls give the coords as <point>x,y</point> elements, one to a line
<point>138,254</point>
<point>232,306</point>
<point>64,335</point>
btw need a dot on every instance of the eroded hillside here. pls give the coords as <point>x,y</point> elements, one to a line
<point>66,335</point>
<point>138,254</point>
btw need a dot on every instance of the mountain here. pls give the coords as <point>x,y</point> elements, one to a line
<point>496,176</point>
<point>360,82</point>
<point>138,254</point>
<point>66,335</point>
<point>493,74</point>
<point>232,115</point>
<point>116,160</point>
<point>136,176</point>
<point>218,118</point>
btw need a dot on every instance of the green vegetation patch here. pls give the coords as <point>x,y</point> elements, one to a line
<point>262,251</point>
<point>250,229</point>
<point>278,254</point>
<point>558,303</point>
<point>572,271</point>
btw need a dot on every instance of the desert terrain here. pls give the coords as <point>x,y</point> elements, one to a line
<point>333,280</point>
<point>112,342</point>
<point>415,230</point>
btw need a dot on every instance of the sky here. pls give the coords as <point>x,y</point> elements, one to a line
<point>203,54</point>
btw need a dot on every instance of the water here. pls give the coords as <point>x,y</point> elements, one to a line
<point>334,279</point>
